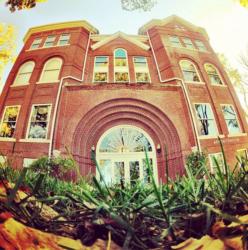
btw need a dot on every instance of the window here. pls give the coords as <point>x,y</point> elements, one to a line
<point>205,119</point>
<point>174,41</point>
<point>231,119</point>
<point>36,43</point>
<point>200,45</point>
<point>39,121</point>
<point>27,162</point>
<point>121,66</point>
<point>8,124</point>
<point>190,73</point>
<point>24,73</point>
<point>216,160</point>
<point>188,43</point>
<point>64,39</point>
<point>213,74</point>
<point>49,41</point>
<point>141,69</point>
<point>101,69</point>
<point>51,70</point>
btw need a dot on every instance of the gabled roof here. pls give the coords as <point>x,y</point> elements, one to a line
<point>131,39</point>
<point>63,25</point>
<point>170,19</point>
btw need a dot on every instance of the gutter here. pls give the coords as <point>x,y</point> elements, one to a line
<point>185,92</point>
<point>56,107</point>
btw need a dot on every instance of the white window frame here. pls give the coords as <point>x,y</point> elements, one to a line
<point>197,119</point>
<point>240,129</point>
<point>196,70</point>
<point>29,123</point>
<point>218,72</point>
<point>173,44</point>
<point>46,41</point>
<point>5,108</point>
<point>144,70</point>
<point>36,43</point>
<point>94,71</point>
<point>18,73</point>
<point>127,68</point>
<point>68,41</point>
<point>44,67</point>
<point>211,163</point>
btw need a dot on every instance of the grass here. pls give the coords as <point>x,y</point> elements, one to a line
<point>139,216</point>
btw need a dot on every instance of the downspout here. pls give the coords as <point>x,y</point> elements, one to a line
<point>185,92</point>
<point>56,107</point>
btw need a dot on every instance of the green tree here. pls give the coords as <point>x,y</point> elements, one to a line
<point>128,5</point>
<point>239,80</point>
<point>7,45</point>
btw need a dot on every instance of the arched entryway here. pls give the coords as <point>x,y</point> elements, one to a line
<point>121,156</point>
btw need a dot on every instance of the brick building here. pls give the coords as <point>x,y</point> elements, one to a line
<point>163,90</point>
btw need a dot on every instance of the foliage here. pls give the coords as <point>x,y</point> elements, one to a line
<point>22,4</point>
<point>145,5</point>
<point>240,81</point>
<point>244,3</point>
<point>7,45</point>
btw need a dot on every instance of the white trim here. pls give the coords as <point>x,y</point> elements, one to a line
<point>3,114</point>
<point>214,119</point>
<point>122,35</point>
<point>10,139</point>
<point>144,71</point>
<point>206,137</point>
<point>237,134</point>
<point>19,85</point>
<point>218,73</point>
<point>127,157</point>
<point>195,83</point>
<point>48,82</point>
<point>29,123</point>
<point>232,134</point>
<point>94,71</point>
<point>35,140</point>
<point>45,65</point>
<point>126,67</point>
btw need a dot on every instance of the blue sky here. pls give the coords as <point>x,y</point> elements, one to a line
<point>225,21</point>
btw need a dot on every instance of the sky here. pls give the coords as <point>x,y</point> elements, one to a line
<point>224,20</point>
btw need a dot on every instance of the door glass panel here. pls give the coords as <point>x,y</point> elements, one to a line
<point>134,171</point>
<point>119,174</point>
<point>105,167</point>
<point>147,178</point>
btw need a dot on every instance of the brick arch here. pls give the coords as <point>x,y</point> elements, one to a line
<point>127,111</point>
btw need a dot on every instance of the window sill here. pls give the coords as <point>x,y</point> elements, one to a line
<point>57,81</point>
<point>56,46</point>
<point>219,85</point>
<point>203,137</point>
<point>195,83</point>
<point>19,85</point>
<point>7,139</point>
<point>35,140</point>
<point>237,134</point>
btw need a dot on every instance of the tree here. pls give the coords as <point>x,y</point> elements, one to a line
<point>244,3</point>
<point>7,45</point>
<point>128,5</point>
<point>239,81</point>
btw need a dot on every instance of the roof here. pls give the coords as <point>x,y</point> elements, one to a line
<point>63,25</point>
<point>132,39</point>
<point>170,19</point>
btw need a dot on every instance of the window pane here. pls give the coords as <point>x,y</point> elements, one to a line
<point>24,73</point>
<point>120,62</point>
<point>188,43</point>
<point>49,41</point>
<point>64,39</point>
<point>121,77</point>
<point>119,172</point>
<point>9,122</point>
<point>100,77</point>
<point>120,53</point>
<point>231,119</point>
<point>106,170</point>
<point>213,74</point>
<point>217,159</point>
<point>147,177</point>
<point>36,43</point>
<point>39,122</point>
<point>134,171</point>
<point>142,77</point>
<point>140,61</point>
<point>101,61</point>
<point>51,70</point>
<point>200,45</point>
<point>175,42</point>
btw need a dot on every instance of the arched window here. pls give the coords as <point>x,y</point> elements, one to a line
<point>24,73</point>
<point>121,66</point>
<point>51,70</point>
<point>189,70</point>
<point>213,74</point>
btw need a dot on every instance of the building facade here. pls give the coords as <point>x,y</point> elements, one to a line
<point>162,91</point>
